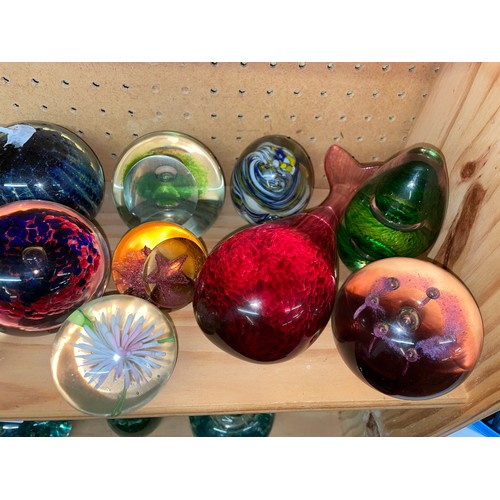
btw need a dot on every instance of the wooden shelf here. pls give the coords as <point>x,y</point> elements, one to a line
<point>372,110</point>
<point>206,379</point>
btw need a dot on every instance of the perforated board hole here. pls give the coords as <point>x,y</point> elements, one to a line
<point>392,118</point>
<point>186,116</point>
<point>73,109</point>
<point>114,156</point>
<point>125,86</point>
<point>359,138</point>
<point>323,93</point>
<point>312,139</point>
<point>367,118</point>
<point>16,105</point>
<point>102,111</point>
<point>273,65</point>
<point>402,94</point>
<point>159,114</point>
<point>358,67</point>
<point>239,138</point>
<point>436,69</point>
<point>350,93</point>
<point>135,135</point>
<point>155,89</point>
<point>96,85</point>
<point>302,65</point>
<point>44,107</point>
<point>425,95</point>
<point>185,90</point>
<point>297,92</point>
<point>64,84</point>
<point>213,138</point>
<point>213,90</point>
<point>242,91</point>
<point>214,64</point>
<point>108,133</point>
<point>330,66</point>
<point>240,116</point>
<point>243,64</point>
<point>376,93</point>
<point>293,117</point>
<point>404,138</point>
<point>80,132</point>
<point>131,113</point>
<point>375,158</point>
<point>386,68</point>
<point>5,80</point>
<point>382,138</point>
<point>317,117</point>
<point>35,82</point>
<point>213,116</point>
<point>269,92</point>
<point>337,138</point>
<point>267,117</point>
<point>412,69</point>
<point>342,118</point>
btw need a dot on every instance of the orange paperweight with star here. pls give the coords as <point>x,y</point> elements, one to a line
<point>159,262</point>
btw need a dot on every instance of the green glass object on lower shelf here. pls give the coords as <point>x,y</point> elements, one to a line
<point>133,426</point>
<point>398,212</point>
<point>236,425</point>
<point>35,428</point>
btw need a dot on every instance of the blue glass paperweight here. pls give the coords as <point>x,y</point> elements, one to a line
<point>273,178</point>
<point>34,428</point>
<point>138,427</point>
<point>236,425</point>
<point>44,161</point>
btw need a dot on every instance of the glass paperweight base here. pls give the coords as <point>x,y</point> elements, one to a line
<point>237,425</point>
<point>34,428</point>
<point>138,427</point>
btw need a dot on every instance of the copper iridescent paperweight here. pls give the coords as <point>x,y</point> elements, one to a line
<point>44,161</point>
<point>113,355</point>
<point>159,262</point>
<point>266,292</point>
<point>52,261</point>
<point>168,176</point>
<point>407,327</point>
<point>399,212</point>
<point>273,178</point>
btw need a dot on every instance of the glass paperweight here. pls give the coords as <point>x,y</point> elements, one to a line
<point>44,161</point>
<point>237,425</point>
<point>169,176</point>
<point>273,178</point>
<point>52,261</point>
<point>138,427</point>
<point>397,213</point>
<point>113,355</point>
<point>266,292</point>
<point>159,262</point>
<point>407,327</point>
<point>35,428</point>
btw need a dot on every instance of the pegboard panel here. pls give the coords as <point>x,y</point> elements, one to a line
<point>367,108</point>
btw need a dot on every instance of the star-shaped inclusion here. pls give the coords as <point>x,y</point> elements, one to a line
<point>128,278</point>
<point>170,288</point>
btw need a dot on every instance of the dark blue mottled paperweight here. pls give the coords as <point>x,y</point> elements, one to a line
<point>44,161</point>
<point>236,425</point>
<point>34,428</point>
